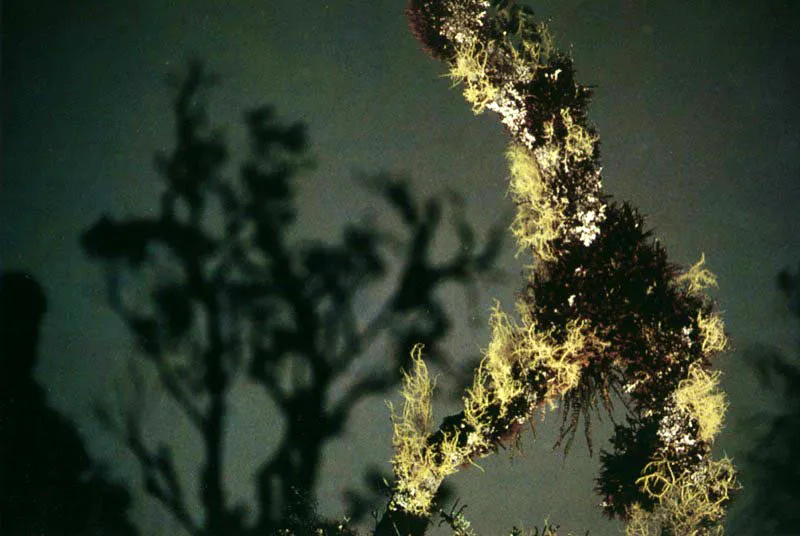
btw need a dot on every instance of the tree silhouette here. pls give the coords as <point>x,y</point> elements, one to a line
<point>49,486</point>
<point>771,465</point>
<point>223,290</point>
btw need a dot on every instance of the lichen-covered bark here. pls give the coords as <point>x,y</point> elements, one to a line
<point>603,312</point>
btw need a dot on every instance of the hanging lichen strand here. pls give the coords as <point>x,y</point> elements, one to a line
<point>604,313</point>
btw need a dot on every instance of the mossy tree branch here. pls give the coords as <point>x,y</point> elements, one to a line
<point>603,313</point>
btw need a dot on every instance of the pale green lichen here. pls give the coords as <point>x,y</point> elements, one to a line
<point>692,503</point>
<point>539,215</point>
<point>469,67</point>
<point>697,278</point>
<point>712,333</point>
<point>419,469</point>
<point>579,142</point>
<point>700,396</point>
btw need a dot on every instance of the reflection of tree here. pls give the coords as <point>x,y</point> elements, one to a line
<point>48,484</point>
<point>772,467</point>
<point>223,290</point>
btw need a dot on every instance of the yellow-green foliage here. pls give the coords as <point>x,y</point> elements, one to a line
<point>657,478</point>
<point>712,333</point>
<point>417,391</point>
<point>418,470</point>
<point>538,216</point>
<point>698,277</point>
<point>692,504</point>
<point>700,396</point>
<point>546,46</point>
<point>640,523</point>
<point>533,54</point>
<point>700,496</point>
<point>500,357</point>
<point>514,351</point>
<point>579,143</point>
<point>469,67</point>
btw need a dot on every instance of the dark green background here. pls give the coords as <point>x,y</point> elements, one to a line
<point>695,104</point>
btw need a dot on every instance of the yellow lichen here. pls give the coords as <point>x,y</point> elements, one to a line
<point>698,277</point>
<point>640,522</point>
<point>469,67</point>
<point>700,396</point>
<point>579,142</point>
<point>476,401</point>
<point>698,498</point>
<point>712,333</point>
<point>420,468</point>
<point>516,350</point>
<point>692,503</point>
<point>538,218</point>
<point>417,391</point>
<point>657,478</point>
<point>532,55</point>
<point>412,460</point>
<point>538,350</point>
<point>499,359</point>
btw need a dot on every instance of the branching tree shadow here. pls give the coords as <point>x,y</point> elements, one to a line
<point>212,286</point>
<point>49,485</point>
<point>771,467</point>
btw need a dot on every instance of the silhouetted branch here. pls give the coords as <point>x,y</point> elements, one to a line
<point>245,291</point>
<point>161,481</point>
<point>358,342</point>
<point>172,386</point>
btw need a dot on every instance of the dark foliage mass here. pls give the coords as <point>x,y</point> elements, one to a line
<point>213,287</point>
<point>624,284</point>
<point>49,485</point>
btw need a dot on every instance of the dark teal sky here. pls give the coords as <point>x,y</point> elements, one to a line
<point>695,104</point>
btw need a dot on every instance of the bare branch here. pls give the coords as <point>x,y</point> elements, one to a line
<point>172,385</point>
<point>161,481</point>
